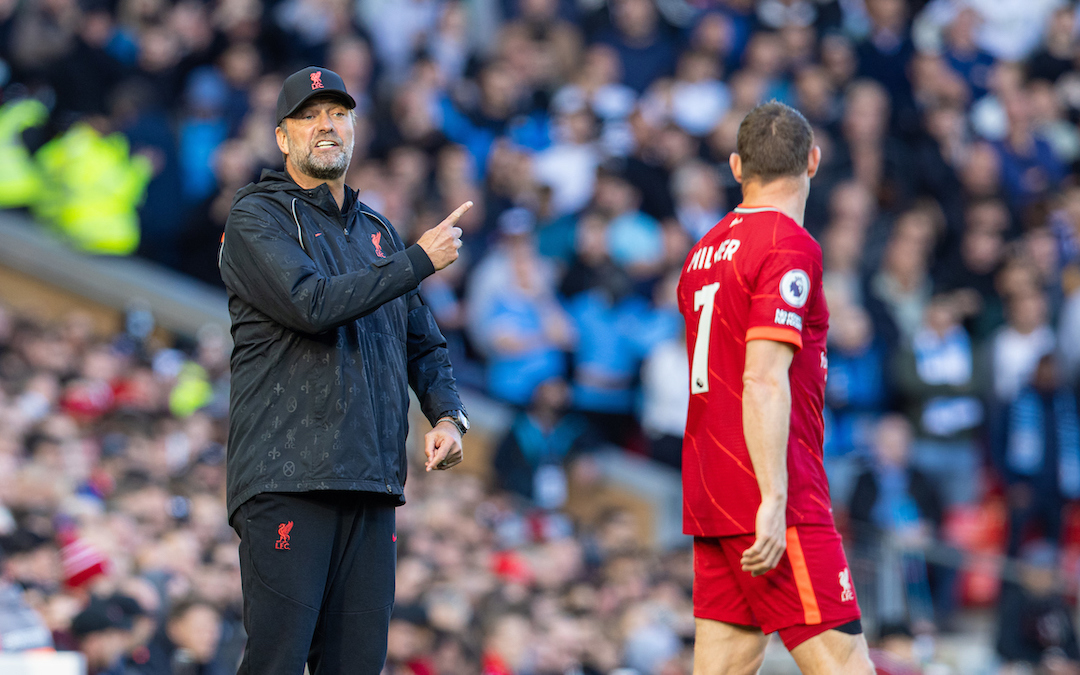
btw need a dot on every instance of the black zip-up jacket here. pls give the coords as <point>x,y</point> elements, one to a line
<point>329,332</point>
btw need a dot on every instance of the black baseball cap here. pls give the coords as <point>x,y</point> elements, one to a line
<point>311,81</point>
<point>101,614</point>
<point>22,541</point>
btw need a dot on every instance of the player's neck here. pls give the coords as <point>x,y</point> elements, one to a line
<point>785,195</point>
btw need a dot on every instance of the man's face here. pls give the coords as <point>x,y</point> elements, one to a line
<point>103,648</point>
<point>318,139</point>
<point>198,630</point>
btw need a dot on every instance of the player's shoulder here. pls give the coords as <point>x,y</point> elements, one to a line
<point>788,235</point>
<point>791,236</point>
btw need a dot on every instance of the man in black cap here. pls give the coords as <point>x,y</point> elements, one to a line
<point>103,632</point>
<point>329,332</point>
<point>21,627</point>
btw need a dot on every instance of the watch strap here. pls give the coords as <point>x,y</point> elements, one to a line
<point>452,416</point>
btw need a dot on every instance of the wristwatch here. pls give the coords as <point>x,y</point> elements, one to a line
<point>457,417</point>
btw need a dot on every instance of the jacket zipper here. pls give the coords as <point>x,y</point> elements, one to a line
<point>299,234</point>
<point>300,238</point>
<point>389,237</point>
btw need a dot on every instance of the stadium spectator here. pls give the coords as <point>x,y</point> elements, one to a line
<point>646,50</point>
<point>896,509</point>
<point>1037,450</point>
<point>558,39</point>
<point>634,238</point>
<point>569,165</point>
<point>596,82</point>
<point>615,329</point>
<point>697,95</point>
<point>233,169</point>
<point>852,212</point>
<point>87,74</point>
<point>980,172</point>
<point>1035,626</point>
<point>21,627</point>
<point>1055,56</point>
<point>898,293</point>
<point>1007,31</point>
<point>102,631</point>
<point>202,129</point>
<point>1050,123</point>
<point>963,54</point>
<point>865,151</point>
<point>855,395</point>
<point>939,376</point>
<point>970,269</point>
<point>516,318</point>
<point>893,494</point>
<point>884,55</point>
<point>187,643</point>
<point>699,200</point>
<point>531,461</point>
<point>499,110</point>
<point>1029,166</point>
<point>41,33</point>
<point>1022,341</point>
<point>506,645</point>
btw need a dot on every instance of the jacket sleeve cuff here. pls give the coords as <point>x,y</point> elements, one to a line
<point>421,263</point>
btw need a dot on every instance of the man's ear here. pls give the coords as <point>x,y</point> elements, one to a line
<point>282,139</point>
<point>813,162</point>
<point>735,162</point>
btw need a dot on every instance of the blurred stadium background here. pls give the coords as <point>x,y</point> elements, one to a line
<point>593,136</point>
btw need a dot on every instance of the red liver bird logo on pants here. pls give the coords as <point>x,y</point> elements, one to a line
<point>283,536</point>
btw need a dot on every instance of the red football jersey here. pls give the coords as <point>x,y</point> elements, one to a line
<point>756,275</point>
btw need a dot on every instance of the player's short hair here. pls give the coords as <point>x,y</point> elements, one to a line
<point>774,142</point>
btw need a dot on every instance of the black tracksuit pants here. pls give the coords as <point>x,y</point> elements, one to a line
<point>318,577</point>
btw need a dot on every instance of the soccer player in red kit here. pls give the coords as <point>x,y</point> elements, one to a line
<point>767,556</point>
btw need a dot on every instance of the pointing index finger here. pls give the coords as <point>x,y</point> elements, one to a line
<point>460,211</point>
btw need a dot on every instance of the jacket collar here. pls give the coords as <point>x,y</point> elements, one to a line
<point>318,197</point>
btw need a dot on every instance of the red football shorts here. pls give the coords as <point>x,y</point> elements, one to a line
<point>809,592</point>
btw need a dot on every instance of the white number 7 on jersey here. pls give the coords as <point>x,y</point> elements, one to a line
<point>704,300</point>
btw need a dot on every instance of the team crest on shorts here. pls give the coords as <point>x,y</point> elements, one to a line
<point>848,593</point>
<point>795,288</point>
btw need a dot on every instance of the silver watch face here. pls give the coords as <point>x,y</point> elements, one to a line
<point>462,420</point>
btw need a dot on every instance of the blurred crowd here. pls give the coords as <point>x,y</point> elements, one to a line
<point>114,543</point>
<point>593,137</point>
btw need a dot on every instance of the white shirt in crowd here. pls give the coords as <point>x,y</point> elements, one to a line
<point>664,378</point>
<point>1010,30</point>
<point>570,170</point>
<point>1016,356</point>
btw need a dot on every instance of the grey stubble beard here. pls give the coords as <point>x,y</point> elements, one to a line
<point>331,170</point>
<point>320,169</point>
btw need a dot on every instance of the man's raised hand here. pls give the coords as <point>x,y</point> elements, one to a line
<point>441,243</point>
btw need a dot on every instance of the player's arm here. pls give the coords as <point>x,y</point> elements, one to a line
<point>766,408</point>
